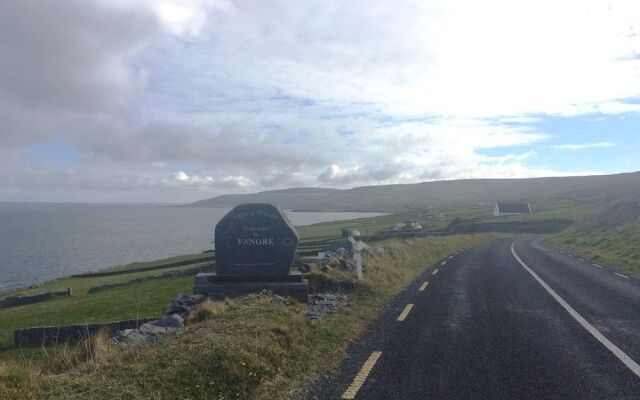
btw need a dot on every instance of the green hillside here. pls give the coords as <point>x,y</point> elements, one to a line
<point>545,193</point>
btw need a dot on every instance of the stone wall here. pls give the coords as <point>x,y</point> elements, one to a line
<point>71,333</point>
<point>36,298</point>
<point>144,269</point>
<point>191,271</point>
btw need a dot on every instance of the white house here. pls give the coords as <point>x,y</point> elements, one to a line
<point>511,208</point>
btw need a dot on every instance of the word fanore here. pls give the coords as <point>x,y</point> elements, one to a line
<point>255,242</point>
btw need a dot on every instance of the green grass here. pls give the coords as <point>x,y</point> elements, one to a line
<point>80,286</point>
<point>618,247</point>
<point>141,299</point>
<point>159,263</point>
<point>609,235</point>
<point>249,351</point>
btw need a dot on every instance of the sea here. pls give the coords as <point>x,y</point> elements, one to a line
<point>44,241</point>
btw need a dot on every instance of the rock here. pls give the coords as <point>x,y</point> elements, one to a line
<point>176,309</point>
<point>150,332</point>
<point>277,299</point>
<point>322,304</point>
<point>307,267</point>
<point>155,330</point>
<point>189,299</point>
<point>172,321</point>
<point>347,265</point>
<point>132,337</point>
<point>183,303</point>
<point>326,268</point>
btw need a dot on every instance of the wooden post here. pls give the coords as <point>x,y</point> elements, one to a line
<point>358,255</point>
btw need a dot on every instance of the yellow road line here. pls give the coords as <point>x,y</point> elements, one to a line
<point>362,376</point>
<point>405,312</point>
<point>435,271</point>
<point>423,287</point>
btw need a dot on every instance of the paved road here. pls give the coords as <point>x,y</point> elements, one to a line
<point>485,328</point>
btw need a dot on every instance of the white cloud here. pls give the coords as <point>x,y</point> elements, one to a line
<point>458,59</point>
<point>181,18</point>
<point>181,176</point>
<point>583,146</point>
<point>206,97</point>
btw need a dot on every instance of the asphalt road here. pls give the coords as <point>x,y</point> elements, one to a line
<point>486,328</point>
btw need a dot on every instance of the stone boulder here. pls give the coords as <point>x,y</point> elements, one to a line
<point>184,303</point>
<point>132,337</point>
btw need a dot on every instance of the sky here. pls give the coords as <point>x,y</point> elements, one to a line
<point>175,101</point>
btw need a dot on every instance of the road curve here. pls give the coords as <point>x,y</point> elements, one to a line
<point>485,328</point>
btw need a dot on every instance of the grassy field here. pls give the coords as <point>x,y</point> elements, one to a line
<point>147,298</point>
<point>239,351</point>
<point>140,299</point>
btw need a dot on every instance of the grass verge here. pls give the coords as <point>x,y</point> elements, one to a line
<point>609,236</point>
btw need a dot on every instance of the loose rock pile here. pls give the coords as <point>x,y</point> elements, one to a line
<point>171,325</point>
<point>322,304</point>
<point>184,303</point>
<point>319,305</point>
<point>340,255</point>
<point>274,298</point>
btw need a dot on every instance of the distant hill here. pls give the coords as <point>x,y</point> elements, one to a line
<point>459,193</point>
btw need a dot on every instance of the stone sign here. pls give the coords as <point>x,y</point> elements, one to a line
<point>255,247</point>
<point>255,240</point>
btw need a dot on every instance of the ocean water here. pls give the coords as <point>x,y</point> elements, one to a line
<point>40,242</point>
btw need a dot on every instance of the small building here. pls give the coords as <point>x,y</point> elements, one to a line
<point>511,208</point>
<point>414,225</point>
<point>346,232</point>
<point>406,226</point>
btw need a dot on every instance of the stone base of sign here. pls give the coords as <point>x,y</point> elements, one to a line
<point>292,285</point>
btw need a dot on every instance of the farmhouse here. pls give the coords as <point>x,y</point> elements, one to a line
<point>511,208</point>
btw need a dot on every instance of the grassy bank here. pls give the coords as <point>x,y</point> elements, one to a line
<point>610,236</point>
<point>256,350</point>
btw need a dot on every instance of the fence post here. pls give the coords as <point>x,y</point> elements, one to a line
<point>358,255</point>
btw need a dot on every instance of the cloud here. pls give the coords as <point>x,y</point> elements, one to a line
<point>181,178</point>
<point>461,59</point>
<point>583,146</point>
<point>178,100</point>
<point>71,56</point>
